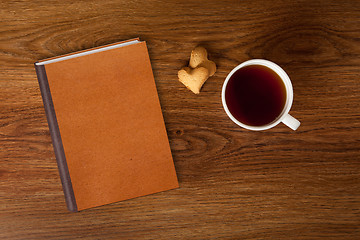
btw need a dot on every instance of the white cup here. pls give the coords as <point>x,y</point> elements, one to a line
<point>284,117</point>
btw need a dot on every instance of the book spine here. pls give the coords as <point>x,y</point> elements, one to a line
<point>56,138</point>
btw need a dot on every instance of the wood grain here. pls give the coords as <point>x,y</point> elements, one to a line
<point>234,183</point>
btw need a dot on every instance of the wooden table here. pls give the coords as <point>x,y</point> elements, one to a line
<point>234,183</point>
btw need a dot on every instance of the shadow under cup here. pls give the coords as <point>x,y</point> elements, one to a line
<point>258,95</point>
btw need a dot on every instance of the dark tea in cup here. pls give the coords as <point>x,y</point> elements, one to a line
<point>255,95</point>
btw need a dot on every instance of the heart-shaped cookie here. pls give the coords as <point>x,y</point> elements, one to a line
<point>193,79</point>
<point>199,58</point>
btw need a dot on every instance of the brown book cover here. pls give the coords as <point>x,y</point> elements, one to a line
<point>106,124</point>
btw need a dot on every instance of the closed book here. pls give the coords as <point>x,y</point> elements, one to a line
<point>106,124</point>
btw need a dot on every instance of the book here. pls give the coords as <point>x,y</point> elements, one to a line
<point>106,124</point>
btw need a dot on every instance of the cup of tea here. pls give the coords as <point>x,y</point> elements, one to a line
<point>257,95</point>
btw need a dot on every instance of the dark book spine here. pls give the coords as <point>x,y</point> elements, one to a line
<point>56,138</point>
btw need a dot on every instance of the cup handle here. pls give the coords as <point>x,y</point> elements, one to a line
<point>291,122</point>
